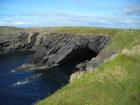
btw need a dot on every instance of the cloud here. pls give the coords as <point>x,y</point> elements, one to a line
<point>20,22</point>
<point>75,19</point>
<point>13,23</point>
<point>69,19</point>
<point>132,10</point>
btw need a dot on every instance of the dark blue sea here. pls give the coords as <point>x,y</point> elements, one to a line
<point>17,89</point>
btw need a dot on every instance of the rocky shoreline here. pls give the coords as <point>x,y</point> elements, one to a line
<point>55,49</point>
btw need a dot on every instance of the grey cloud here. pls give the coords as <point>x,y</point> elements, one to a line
<point>132,10</point>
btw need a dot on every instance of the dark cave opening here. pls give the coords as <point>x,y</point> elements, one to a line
<point>61,74</point>
<point>75,57</point>
<point>78,55</point>
<point>68,64</point>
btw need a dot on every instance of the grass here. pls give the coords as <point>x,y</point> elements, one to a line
<point>116,82</point>
<point>86,30</point>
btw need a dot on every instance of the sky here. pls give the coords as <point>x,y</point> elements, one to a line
<point>48,13</point>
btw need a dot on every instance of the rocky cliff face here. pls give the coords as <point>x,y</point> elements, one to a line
<point>14,43</point>
<point>55,49</point>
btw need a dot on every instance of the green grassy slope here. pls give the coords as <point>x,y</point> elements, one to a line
<point>116,82</point>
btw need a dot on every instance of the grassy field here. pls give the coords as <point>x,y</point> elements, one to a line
<point>116,82</point>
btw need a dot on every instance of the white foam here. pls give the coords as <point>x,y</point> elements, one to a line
<point>12,71</point>
<point>27,80</point>
<point>20,83</point>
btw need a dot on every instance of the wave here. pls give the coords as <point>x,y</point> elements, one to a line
<point>27,80</point>
<point>12,71</point>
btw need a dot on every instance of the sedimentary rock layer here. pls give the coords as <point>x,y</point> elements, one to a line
<point>54,49</point>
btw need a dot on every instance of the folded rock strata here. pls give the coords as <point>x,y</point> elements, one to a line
<point>13,43</point>
<point>54,49</point>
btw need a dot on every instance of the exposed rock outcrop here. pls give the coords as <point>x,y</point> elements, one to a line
<point>95,62</point>
<point>55,49</point>
<point>14,43</point>
<point>61,48</point>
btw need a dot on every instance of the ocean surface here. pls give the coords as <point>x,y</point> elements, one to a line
<point>28,87</point>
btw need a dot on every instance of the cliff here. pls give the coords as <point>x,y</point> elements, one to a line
<point>55,49</point>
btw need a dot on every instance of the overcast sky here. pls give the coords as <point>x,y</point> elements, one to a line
<point>97,13</point>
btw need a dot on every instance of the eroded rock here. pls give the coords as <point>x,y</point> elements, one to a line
<point>22,41</point>
<point>62,48</point>
<point>55,49</point>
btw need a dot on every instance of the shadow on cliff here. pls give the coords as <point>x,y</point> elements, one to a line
<point>60,75</point>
